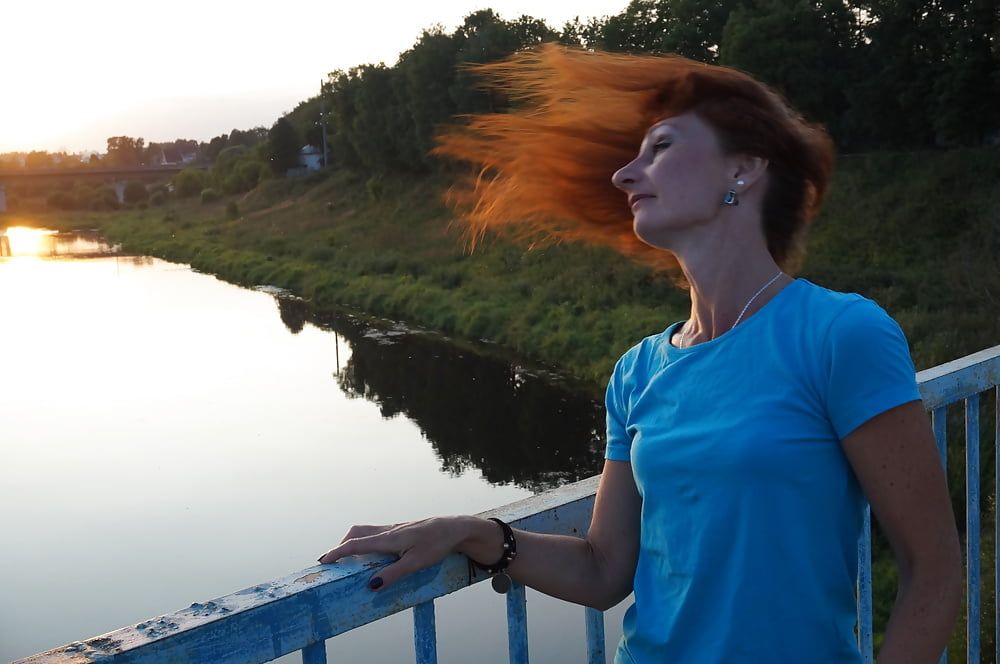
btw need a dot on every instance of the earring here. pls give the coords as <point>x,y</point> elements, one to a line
<point>731,198</point>
<point>740,183</point>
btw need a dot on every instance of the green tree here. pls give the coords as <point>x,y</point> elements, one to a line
<point>427,72</point>
<point>125,151</point>
<point>801,47</point>
<point>283,146</point>
<point>892,98</point>
<point>38,159</point>
<point>967,93</point>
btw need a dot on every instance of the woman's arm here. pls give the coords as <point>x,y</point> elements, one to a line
<point>896,461</point>
<point>594,571</point>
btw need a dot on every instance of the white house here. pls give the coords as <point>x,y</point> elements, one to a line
<point>311,157</point>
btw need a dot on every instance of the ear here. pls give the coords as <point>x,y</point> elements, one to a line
<point>749,169</point>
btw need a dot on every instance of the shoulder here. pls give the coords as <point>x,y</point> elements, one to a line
<point>641,357</point>
<point>838,316</point>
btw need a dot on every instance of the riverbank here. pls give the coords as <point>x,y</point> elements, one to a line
<point>916,232</point>
<point>919,233</point>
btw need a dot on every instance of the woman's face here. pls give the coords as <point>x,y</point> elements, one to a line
<point>677,181</point>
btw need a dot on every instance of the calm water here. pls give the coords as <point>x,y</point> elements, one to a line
<point>166,438</point>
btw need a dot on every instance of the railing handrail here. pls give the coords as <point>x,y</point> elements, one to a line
<point>959,379</point>
<point>302,610</point>
<point>314,604</point>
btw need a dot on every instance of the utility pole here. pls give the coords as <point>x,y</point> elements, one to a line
<point>322,120</point>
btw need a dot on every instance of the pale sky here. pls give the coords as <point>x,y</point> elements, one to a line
<point>77,72</point>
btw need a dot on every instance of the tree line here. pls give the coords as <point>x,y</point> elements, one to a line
<point>880,74</point>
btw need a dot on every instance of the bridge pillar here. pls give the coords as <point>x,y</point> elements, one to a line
<point>119,186</point>
<point>3,198</point>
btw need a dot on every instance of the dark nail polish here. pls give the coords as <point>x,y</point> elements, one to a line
<point>375,583</point>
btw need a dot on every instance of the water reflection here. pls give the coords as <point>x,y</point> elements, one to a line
<point>21,241</point>
<point>476,411</point>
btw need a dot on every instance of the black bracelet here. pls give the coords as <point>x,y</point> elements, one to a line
<point>501,580</point>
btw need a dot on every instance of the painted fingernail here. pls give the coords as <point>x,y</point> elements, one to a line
<point>375,583</point>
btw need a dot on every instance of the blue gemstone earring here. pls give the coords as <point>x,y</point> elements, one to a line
<point>731,198</point>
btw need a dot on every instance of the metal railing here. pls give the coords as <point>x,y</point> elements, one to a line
<point>301,611</point>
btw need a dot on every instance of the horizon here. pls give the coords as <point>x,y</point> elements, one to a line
<point>178,88</point>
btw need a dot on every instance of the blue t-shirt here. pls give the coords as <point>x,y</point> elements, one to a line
<point>751,513</point>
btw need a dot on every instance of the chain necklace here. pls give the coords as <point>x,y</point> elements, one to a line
<point>683,335</point>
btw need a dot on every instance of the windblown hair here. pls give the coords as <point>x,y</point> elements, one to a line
<point>543,171</point>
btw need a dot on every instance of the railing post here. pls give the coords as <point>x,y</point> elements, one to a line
<point>972,523</point>
<point>939,422</point>
<point>865,641</point>
<point>424,633</point>
<point>595,636</point>
<point>517,624</point>
<point>314,653</point>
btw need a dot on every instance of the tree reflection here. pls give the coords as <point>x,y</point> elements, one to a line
<point>476,411</point>
<point>293,313</point>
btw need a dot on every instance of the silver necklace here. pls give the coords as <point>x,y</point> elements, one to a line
<point>682,336</point>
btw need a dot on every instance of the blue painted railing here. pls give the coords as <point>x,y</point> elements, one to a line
<point>300,612</point>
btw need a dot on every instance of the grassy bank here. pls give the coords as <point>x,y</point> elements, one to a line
<point>919,233</point>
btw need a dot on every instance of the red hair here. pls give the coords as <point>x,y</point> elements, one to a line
<point>543,170</point>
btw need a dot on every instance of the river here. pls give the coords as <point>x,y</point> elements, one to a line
<point>169,438</point>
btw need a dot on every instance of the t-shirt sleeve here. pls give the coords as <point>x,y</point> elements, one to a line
<point>619,440</point>
<point>870,369</point>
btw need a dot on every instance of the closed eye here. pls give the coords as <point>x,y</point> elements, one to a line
<point>662,145</point>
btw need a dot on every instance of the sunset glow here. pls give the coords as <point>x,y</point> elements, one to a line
<point>127,68</point>
<point>25,241</point>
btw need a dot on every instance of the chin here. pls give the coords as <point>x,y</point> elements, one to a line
<point>657,234</point>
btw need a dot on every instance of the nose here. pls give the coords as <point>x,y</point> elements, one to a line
<point>624,177</point>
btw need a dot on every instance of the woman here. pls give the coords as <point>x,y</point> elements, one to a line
<point>742,441</point>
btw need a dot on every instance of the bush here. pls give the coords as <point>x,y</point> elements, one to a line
<point>135,192</point>
<point>61,200</point>
<point>374,188</point>
<point>232,210</point>
<point>209,196</point>
<point>189,182</point>
<point>104,199</point>
<point>157,198</point>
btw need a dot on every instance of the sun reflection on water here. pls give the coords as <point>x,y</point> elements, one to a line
<point>24,241</point>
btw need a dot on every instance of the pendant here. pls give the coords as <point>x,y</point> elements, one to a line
<point>501,582</point>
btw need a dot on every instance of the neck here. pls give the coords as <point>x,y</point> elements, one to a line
<point>722,283</point>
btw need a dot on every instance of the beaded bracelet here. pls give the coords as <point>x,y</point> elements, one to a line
<point>501,581</point>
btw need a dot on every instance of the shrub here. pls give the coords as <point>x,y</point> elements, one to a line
<point>209,196</point>
<point>104,199</point>
<point>62,200</point>
<point>157,198</point>
<point>374,188</point>
<point>232,210</point>
<point>135,192</point>
<point>189,182</point>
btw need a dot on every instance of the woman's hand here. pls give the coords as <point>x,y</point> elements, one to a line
<point>418,544</point>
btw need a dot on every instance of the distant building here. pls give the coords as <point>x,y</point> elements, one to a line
<point>168,156</point>
<point>311,157</point>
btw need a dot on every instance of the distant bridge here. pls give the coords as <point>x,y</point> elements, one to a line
<point>118,175</point>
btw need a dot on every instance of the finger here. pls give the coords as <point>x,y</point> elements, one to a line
<point>357,546</point>
<point>390,574</point>
<point>366,531</point>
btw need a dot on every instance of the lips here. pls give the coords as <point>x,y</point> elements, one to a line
<point>637,197</point>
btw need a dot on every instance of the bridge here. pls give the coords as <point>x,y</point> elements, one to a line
<point>117,175</point>
<point>302,610</point>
